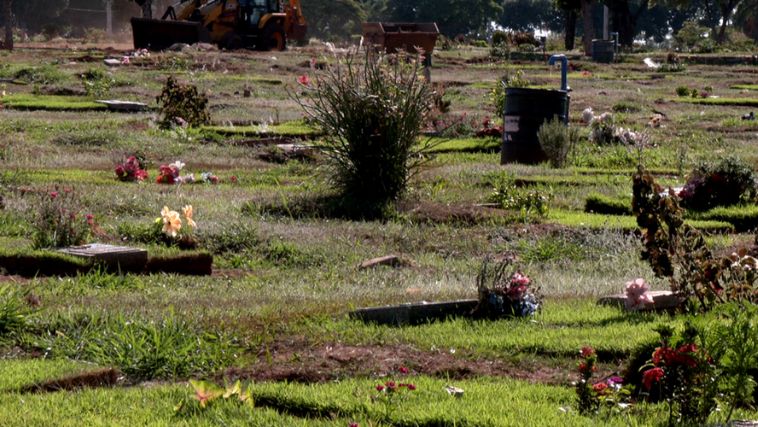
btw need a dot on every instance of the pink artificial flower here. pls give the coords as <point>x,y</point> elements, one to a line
<point>637,295</point>
<point>53,194</point>
<point>304,80</point>
<point>519,279</point>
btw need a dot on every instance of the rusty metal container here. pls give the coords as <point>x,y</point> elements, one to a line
<point>394,36</point>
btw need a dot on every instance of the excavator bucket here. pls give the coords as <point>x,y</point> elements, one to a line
<point>158,34</point>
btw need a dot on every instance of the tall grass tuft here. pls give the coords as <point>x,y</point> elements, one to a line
<point>13,311</point>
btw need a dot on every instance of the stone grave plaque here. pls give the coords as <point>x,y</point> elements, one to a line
<point>114,258</point>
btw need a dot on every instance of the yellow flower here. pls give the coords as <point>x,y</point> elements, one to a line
<point>187,211</point>
<point>171,221</point>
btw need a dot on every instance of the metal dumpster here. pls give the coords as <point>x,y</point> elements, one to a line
<point>401,36</point>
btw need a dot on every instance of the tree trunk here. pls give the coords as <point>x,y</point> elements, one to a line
<point>588,25</point>
<point>8,18</point>
<point>147,9</point>
<point>570,36</point>
<point>726,13</point>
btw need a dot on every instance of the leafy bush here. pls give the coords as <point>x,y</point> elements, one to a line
<point>557,141</point>
<point>182,103</point>
<point>683,91</point>
<point>498,94</point>
<point>43,75</point>
<point>372,111</point>
<point>690,35</point>
<point>58,221</point>
<point>728,182</point>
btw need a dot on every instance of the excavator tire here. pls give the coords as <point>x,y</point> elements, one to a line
<point>274,38</point>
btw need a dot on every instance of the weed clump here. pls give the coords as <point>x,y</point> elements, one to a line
<point>372,111</point>
<point>58,221</point>
<point>180,104</point>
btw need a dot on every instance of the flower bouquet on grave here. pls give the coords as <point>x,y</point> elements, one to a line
<point>504,292</point>
<point>131,169</point>
<point>170,225</point>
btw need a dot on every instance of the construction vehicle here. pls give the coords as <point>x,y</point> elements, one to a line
<point>230,24</point>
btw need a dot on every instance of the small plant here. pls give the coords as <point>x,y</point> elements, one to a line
<point>587,398</point>
<point>728,182</point>
<point>505,293</point>
<point>13,311</point>
<point>132,169</point>
<point>557,141</point>
<point>391,394</point>
<point>205,394</point>
<point>683,91</point>
<point>372,111</point>
<point>180,103</point>
<point>58,221</point>
<point>530,202</point>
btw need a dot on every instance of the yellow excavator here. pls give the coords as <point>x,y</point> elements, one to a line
<point>230,24</point>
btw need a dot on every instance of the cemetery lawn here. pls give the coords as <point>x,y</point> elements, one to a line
<point>274,313</point>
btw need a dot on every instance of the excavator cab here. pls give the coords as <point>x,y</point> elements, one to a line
<point>231,24</point>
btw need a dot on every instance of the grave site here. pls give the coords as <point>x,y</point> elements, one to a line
<point>250,230</point>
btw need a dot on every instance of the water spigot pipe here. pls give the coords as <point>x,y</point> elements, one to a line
<point>564,69</point>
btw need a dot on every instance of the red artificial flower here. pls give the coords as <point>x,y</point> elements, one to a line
<point>403,370</point>
<point>587,352</point>
<point>411,387</point>
<point>391,385</point>
<point>304,80</point>
<point>651,376</point>
<point>53,194</point>
<point>140,175</point>
<point>233,179</point>
<point>90,219</point>
<point>665,355</point>
<point>600,388</point>
<point>353,424</point>
<point>379,387</point>
<point>120,172</point>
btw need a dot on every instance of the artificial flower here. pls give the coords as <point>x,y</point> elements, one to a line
<point>187,211</point>
<point>171,221</point>
<point>651,376</point>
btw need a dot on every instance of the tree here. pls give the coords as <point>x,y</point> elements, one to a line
<point>526,15</point>
<point>570,10</point>
<point>334,19</point>
<point>453,17</point>
<point>8,18</point>
<point>746,17</point>
<point>624,20</point>
<point>726,7</point>
<point>587,25</point>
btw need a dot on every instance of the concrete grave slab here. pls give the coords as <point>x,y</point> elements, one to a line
<point>117,258</point>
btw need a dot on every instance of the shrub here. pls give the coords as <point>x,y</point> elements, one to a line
<point>690,35</point>
<point>58,221</point>
<point>498,94</point>
<point>182,103</point>
<point>728,182</point>
<point>683,91</point>
<point>97,83</point>
<point>372,111</point>
<point>557,141</point>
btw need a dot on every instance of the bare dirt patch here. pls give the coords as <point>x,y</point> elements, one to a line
<point>297,360</point>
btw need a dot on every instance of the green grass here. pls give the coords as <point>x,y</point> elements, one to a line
<point>559,330</point>
<point>600,204</point>
<point>50,103</point>
<point>464,145</point>
<point>17,373</point>
<point>619,222</point>
<point>745,87</point>
<point>737,102</point>
<point>743,218</point>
